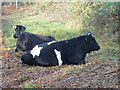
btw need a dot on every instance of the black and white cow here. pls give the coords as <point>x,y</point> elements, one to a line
<point>72,51</point>
<point>26,41</point>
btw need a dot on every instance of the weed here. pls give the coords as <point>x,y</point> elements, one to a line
<point>31,85</point>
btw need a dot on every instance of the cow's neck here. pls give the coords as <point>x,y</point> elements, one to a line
<point>20,33</point>
<point>78,44</point>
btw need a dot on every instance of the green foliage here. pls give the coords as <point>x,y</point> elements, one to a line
<point>102,20</point>
<point>101,17</point>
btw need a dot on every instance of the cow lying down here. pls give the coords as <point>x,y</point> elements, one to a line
<point>72,51</point>
<point>26,41</point>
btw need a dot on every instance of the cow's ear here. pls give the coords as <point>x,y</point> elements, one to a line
<point>23,27</point>
<point>89,34</point>
<point>14,27</point>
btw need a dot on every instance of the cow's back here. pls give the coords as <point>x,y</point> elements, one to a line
<point>33,39</point>
<point>46,38</point>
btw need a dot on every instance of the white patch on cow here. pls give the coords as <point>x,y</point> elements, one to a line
<point>36,51</point>
<point>58,54</point>
<point>51,42</point>
<point>14,27</point>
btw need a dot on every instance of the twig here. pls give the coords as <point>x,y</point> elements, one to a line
<point>96,67</point>
<point>85,8</point>
<point>109,72</point>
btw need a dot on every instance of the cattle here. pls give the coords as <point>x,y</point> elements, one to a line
<point>72,51</point>
<point>26,41</point>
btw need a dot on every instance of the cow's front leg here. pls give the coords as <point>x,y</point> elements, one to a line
<point>77,59</point>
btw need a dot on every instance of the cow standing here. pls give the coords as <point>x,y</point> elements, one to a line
<point>26,41</point>
<point>72,51</point>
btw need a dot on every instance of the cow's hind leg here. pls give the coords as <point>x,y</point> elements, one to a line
<point>28,59</point>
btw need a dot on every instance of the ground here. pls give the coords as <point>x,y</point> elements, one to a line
<point>96,73</point>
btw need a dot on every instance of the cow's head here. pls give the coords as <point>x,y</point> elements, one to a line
<point>91,43</point>
<point>18,30</point>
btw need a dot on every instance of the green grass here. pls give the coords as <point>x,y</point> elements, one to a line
<point>7,28</point>
<point>31,85</point>
<point>42,25</point>
<point>37,25</point>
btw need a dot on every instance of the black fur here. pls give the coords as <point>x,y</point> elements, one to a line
<point>73,51</point>
<point>26,41</point>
